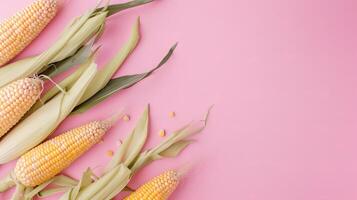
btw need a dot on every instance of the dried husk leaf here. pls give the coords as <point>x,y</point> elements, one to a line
<point>84,182</point>
<point>171,145</point>
<point>133,144</point>
<point>87,31</point>
<point>117,184</point>
<point>118,84</point>
<point>52,191</point>
<point>36,127</point>
<point>65,84</point>
<point>119,174</point>
<point>103,76</point>
<point>19,193</point>
<point>176,148</point>
<point>79,57</point>
<point>64,181</point>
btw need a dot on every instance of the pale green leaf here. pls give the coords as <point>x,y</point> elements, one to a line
<point>176,148</point>
<point>133,144</point>
<point>81,56</point>
<point>52,191</point>
<point>104,75</point>
<point>118,84</point>
<point>86,180</point>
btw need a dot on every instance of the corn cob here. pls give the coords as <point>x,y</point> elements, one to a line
<point>18,31</point>
<point>50,158</point>
<point>16,99</point>
<point>159,188</point>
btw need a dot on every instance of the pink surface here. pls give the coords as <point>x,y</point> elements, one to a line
<point>281,74</point>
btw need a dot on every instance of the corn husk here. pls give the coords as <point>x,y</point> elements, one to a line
<point>28,67</point>
<point>115,178</point>
<point>117,84</point>
<point>103,76</point>
<point>77,34</point>
<point>83,54</point>
<point>37,126</point>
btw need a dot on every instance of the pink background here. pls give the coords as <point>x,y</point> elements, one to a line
<point>281,74</point>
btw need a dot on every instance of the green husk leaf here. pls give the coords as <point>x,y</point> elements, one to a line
<point>170,145</point>
<point>30,66</point>
<point>118,84</point>
<point>90,29</point>
<point>66,84</point>
<point>52,191</point>
<point>103,76</point>
<point>175,149</point>
<point>133,144</point>
<point>37,126</point>
<point>84,182</point>
<point>79,57</point>
<point>113,9</point>
<point>31,193</point>
<point>64,181</point>
<point>117,174</point>
<point>19,192</point>
<point>117,184</point>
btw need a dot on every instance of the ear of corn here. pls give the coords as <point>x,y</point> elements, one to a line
<point>37,126</point>
<point>51,157</point>
<point>80,31</point>
<point>159,188</point>
<point>16,99</point>
<point>18,31</point>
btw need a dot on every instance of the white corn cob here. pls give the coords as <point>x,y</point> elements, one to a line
<point>16,99</point>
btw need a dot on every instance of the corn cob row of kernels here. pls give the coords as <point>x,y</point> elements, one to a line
<point>159,188</point>
<point>51,157</point>
<point>16,99</point>
<point>18,31</point>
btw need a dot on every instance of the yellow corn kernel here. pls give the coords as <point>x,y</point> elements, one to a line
<point>110,153</point>
<point>18,31</point>
<point>159,188</point>
<point>126,118</point>
<point>50,158</point>
<point>172,114</point>
<point>16,99</point>
<point>162,133</point>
